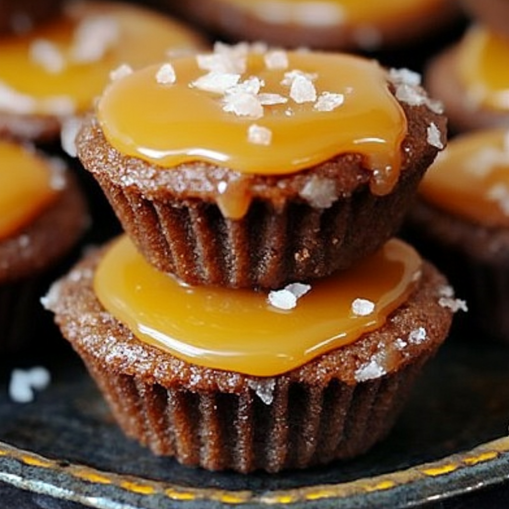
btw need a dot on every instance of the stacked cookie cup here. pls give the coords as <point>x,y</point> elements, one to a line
<point>231,200</point>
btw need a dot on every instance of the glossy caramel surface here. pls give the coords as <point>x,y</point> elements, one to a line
<point>471,178</point>
<point>25,187</point>
<point>173,123</point>
<point>483,70</point>
<point>240,330</point>
<point>60,67</point>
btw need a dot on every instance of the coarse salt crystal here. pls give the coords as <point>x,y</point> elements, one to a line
<point>302,90</point>
<point>243,105</point>
<point>166,74</point>
<point>268,99</point>
<point>405,76</point>
<point>68,132</point>
<point>216,82</point>
<point>15,102</point>
<point>410,95</point>
<point>454,305</point>
<point>120,72</point>
<point>250,86</point>
<point>259,135</point>
<point>369,371</point>
<point>291,76</point>
<point>47,54</point>
<point>286,298</point>
<point>320,193</point>
<point>264,389</point>
<point>23,383</point>
<point>362,307</point>
<point>328,101</point>
<point>93,37</point>
<point>276,59</point>
<point>434,136</point>
<point>417,336</point>
<point>400,344</point>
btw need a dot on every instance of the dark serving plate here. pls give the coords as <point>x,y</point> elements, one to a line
<point>450,439</point>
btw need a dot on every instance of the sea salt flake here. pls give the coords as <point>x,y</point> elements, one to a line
<point>166,74</point>
<point>417,336</point>
<point>320,193</point>
<point>59,105</point>
<point>52,297</point>
<point>264,389</point>
<point>302,90</point>
<point>48,55</point>
<point>243,105</point>
<point>329,101</point>
<point>454,305</point>
<point>24,383</point>
<point>405,76</point>
<point>287,298</point>
<point>369,371</point>
<point>15,102</point>
<point>259,135</point>
<point>291,76</point>
<point>120,72</point>
<point>499,193</point>
<point>276,59</point>
<point>216,82</point>
<point>362,307</point>
<point>68,132</point>
<point>225,59</point>
<point>93,37</point>
<point>400,344</point>
<point>268,99</point>
<point>410,95</point>
<point>251,86</point>
<point>434,136</point>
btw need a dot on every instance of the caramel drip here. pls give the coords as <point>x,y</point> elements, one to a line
<point>483,70</point>
<point>471,178</point>
<point>332,12</point>
<point>169,124</point>
<point>60,67</point>
<point>238,330</point>
<point>25,187</point>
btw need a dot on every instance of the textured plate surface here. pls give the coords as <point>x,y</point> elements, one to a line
<point>450,439</point>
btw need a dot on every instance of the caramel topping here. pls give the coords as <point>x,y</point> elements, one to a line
<point>483,70</point>
<point>471,178</point>
<point>60,67</point>
<point>25,187</point>
<point>333,12</point>
<point>258,112</point>
<point>239,330</point>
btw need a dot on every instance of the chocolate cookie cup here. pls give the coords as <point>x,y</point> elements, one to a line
<point>461,222</point>
<point>34,243</point>
<point>335,406</point>
<point>278,222</point>
<point>53,73</point>
<point>21,16</point>
<point>325,25</point>
<point>469,80</point>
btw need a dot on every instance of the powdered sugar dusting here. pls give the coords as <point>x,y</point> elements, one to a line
<point>362,307</point>
<point>259,135</point>
<point>287,298</point>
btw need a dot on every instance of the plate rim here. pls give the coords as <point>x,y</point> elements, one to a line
<point>100,489</point>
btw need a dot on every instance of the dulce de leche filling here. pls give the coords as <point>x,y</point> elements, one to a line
<point>61,66</point>
<point>333,12</point>
<point>258,112</point>
<point>471,178</point>
<point>243,330</point>
<point>483,70</point>
<point>26,187</point>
